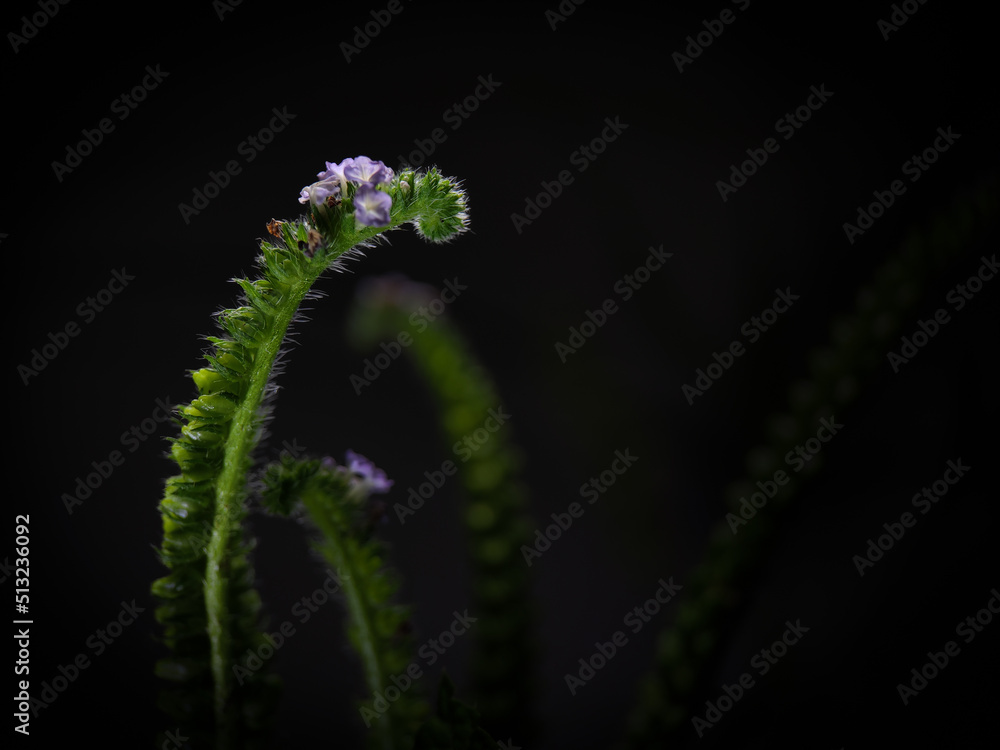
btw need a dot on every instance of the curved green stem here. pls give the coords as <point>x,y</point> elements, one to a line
<point>737,548</point>
<point>209,608</point>
<point>336,505</point>
<point>358,608</point>
<point>240,442</point>
<point>228,500</point>
<point>494,503</point>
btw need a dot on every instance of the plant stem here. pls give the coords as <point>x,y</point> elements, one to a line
<point>231,483</point>
<point>357,602</point>
<point>229,503</point>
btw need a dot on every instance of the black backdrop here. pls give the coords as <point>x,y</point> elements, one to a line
<point>64,233</point>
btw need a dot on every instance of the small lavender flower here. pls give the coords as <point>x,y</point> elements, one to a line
<point>362,475</point>
<point>334,171</point>
<point>371,206</point>
<point>318,192</point>
<point>362,171</point>
<point>365,478</point>
<point>366,171</point>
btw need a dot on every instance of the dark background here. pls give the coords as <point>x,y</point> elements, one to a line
<point>654,185</point>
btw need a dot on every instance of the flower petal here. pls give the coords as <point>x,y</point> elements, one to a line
<point>371,206</point>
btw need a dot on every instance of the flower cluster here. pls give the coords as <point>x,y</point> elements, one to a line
<point>371,206</point>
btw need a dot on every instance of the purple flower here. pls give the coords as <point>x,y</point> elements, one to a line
<point>371,206</point>
<point>334,171</point>
<point>366,477</point>
<point>365,171</point>
<point>318,192</point>
<point>331,182</point>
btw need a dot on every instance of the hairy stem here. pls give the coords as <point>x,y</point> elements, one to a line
<point>231,484</point>
<point>209,608</point>
<point>494,504</point>
<point>858,346</point>
<point>358,608</point>
<point>229,499</point>
<point>336,503</point>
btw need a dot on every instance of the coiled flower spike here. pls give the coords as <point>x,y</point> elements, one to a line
<point>209,609</point>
